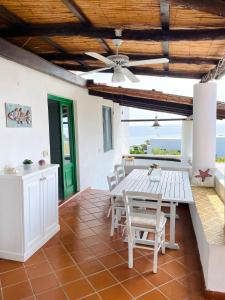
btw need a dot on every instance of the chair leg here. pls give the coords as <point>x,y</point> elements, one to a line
<point>112,221</point>
<point>130,255</point>
<point>111,205</point>
<point>109,211</point>
<point>155,259</point>
<point>118,216</point>
<point>163,241</point>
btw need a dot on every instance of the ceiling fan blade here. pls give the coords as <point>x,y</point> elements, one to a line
<point>95,71</point>
<point>147,62</point>
<point>130,75</point>
<point>101,58</point>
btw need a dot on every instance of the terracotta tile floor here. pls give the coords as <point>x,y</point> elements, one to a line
<point>83,262</point>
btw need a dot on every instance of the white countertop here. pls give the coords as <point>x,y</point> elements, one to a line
<point>34,170</point>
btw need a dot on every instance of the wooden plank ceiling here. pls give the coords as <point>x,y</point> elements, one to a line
<point>149,100</point>
<point>191,33</point>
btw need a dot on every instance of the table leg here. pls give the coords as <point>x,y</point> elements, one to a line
<point>171,244</point>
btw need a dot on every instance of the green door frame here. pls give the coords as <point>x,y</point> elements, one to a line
<point>69,102</point>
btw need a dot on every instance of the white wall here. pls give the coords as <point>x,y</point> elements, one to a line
<point>22,85</point>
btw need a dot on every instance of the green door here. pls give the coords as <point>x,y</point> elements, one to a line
<point>68,159</point>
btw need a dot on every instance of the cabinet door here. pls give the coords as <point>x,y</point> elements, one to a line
<point>50,200</point>
<point>33,208</point>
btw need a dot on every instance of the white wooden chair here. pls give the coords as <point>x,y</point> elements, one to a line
<point>117,207</point>
<point>120,172</point>
<point>143,213</point>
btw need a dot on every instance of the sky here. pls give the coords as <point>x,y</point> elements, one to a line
<point>177,86</point>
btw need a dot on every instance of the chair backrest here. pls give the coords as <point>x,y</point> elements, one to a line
<point>120,172</point>
<point>135,202</point>
<point>112,182</point>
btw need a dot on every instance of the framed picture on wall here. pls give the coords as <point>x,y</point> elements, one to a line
<point>18,115</point>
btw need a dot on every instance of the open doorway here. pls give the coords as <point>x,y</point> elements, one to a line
<point>62,143</point>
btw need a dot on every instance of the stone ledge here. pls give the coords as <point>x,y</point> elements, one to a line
<point>210,209</point>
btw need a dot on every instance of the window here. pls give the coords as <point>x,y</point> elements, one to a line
<point>107,128</point>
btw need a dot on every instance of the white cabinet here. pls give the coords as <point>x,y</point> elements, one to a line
<point>50,193</point>
<point>33,211</point>
<point>28,211</point>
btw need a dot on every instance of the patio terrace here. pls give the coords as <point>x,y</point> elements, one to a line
<point>40,43</point>
<point>83,262</point>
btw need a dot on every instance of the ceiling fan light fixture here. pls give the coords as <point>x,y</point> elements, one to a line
<point>121,63</point>
<point>156,123</point>
<point>118,75</point>
<point>118,32</point>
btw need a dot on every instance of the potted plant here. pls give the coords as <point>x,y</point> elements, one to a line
<point>27,164</point>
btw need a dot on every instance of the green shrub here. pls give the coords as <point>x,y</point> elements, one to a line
<point>220,159</point>
<point>137,152</point>
<point>158,151</point>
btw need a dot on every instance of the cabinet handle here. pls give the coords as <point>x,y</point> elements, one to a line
<point>43,178</point>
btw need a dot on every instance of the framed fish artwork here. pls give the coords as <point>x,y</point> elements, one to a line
<point>18,116</point>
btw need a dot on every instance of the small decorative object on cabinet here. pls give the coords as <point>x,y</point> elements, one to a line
<point>42,162</point>
<point>28,211</point>
<point>27,163</point>
<point>10,170</point>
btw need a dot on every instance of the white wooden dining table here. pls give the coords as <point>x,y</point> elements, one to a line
<point>173,185</point>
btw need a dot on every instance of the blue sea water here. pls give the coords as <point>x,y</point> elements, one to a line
<point>169,137</point>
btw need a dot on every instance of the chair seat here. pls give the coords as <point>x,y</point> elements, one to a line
<point>147,220</point>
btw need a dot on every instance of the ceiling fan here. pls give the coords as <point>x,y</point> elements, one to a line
<point>119,63</point>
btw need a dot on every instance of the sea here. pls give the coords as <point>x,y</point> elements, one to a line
<point>169,137</point>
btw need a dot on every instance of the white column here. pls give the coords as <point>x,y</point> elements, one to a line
<point>204,125</point>
<point>187,139</point>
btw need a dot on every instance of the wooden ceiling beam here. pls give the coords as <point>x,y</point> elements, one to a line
<point>142,94</point>
<point>216,7</point>
<point>141,71</point>
<point>54,45</point>
<point>145,103</point>
<point>30,60</point>
<point>173,59</point>
<point>13,20</point>
<point>157,35</point>
<point>165,24</point>
<point>165,14</point>
<point>157,108</point>
<point>153,108</point>
<point>9,17</point>
<point>150,99</point>
<point>76,10</point>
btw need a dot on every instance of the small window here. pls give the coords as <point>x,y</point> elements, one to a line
<point>107,128</point>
